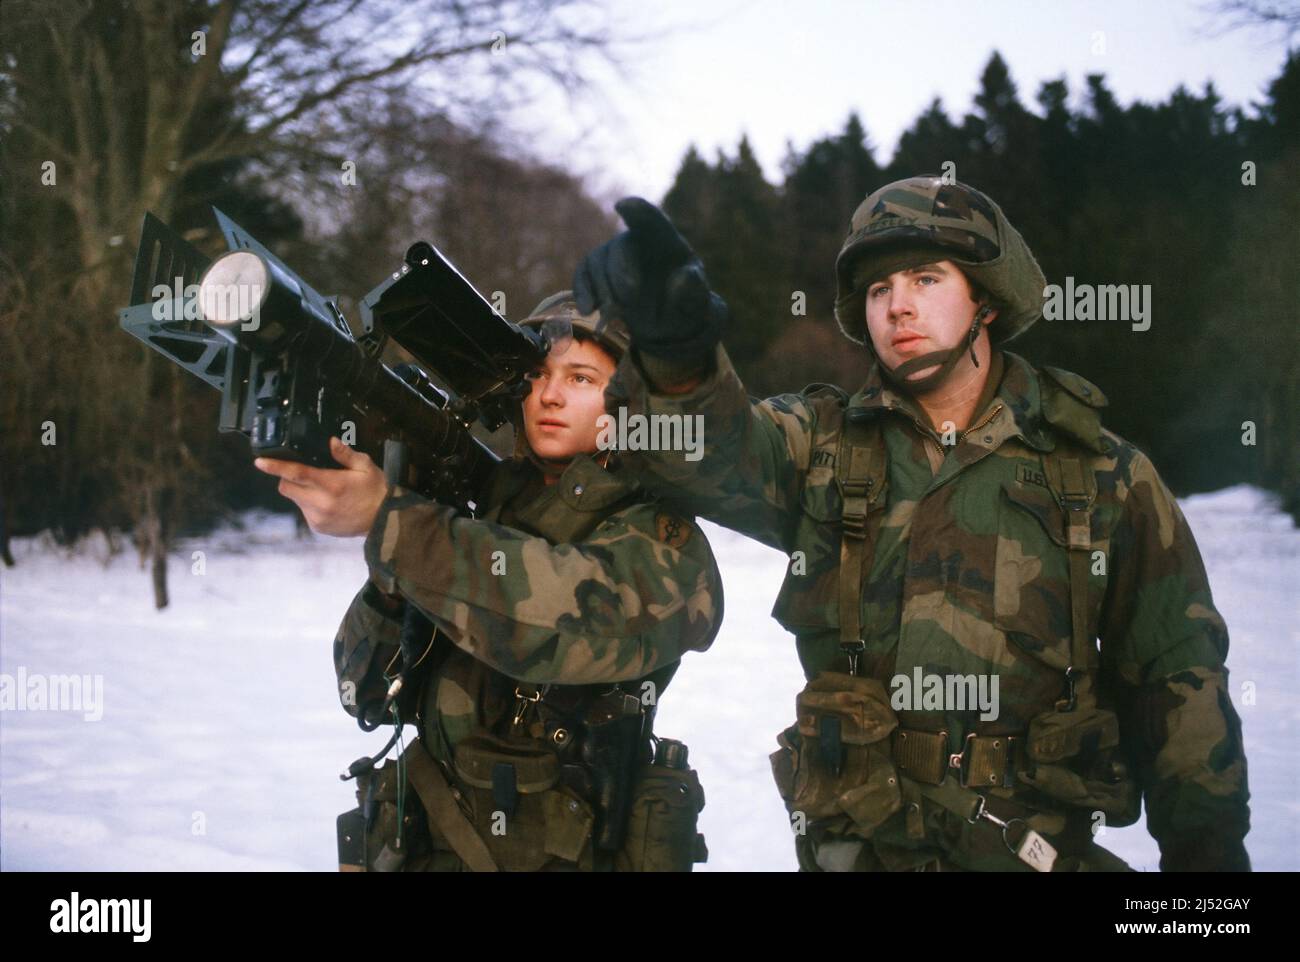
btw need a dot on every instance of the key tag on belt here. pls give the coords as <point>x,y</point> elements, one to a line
<point>1032,849</point>
<point>853,651</point>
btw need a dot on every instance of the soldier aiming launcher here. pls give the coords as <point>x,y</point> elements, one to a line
<point>291,374</point>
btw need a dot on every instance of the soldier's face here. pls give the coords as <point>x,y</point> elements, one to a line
<point>917,311</point>
<point>568,396</point>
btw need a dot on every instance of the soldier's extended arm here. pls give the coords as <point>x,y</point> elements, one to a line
<point>1167,644</point>
<point>638,593</point>
<point>753,455</point>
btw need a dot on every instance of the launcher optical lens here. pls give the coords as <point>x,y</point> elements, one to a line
<point>233,288</point>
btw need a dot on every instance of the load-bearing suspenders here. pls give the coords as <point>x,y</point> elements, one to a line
<point>443,810</point>
<point>1074,485</point>
<point>861,471</point>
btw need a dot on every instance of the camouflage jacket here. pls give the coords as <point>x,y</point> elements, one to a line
<point>587,582</point>
<point>969,572</point>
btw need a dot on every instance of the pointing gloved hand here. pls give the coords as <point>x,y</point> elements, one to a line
<point>650,277</point>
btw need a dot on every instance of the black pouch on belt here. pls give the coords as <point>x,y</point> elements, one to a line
<point>613,751</point>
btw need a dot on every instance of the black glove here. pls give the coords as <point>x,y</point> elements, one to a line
<point>649,276</point>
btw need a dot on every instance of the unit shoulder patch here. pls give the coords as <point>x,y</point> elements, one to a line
<point>671,529</point>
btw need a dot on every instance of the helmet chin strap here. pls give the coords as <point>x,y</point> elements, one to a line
<point>946,359</point>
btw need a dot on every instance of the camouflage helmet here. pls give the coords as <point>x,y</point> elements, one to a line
<point>909,221</point>
<point>612,334</point>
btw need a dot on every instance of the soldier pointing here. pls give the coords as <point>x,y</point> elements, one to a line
<point>962,525</point>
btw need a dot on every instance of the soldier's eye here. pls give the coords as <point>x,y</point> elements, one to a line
<point>876,291</point>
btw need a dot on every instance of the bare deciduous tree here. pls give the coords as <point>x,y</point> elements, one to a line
<point>111,108</point>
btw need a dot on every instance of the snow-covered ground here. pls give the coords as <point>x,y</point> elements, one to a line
<point>221,737</point>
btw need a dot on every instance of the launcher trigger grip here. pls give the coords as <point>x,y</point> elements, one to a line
<point>397,462</point>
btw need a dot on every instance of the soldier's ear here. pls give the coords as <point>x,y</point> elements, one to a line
<point>987,313</point>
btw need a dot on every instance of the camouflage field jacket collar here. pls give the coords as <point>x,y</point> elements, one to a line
<point>1019,409</point>
<point>584,495</point>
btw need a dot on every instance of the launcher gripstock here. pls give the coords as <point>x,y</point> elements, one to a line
<point>291,374</point>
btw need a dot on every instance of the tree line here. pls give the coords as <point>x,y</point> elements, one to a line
<point>1194,197</point>
<point>339,155</point>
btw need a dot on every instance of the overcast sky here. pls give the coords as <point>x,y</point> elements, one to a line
<point>785,71</point>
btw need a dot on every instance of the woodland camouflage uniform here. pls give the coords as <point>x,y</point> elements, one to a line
<point>561,614</point>
<point>914,558</point>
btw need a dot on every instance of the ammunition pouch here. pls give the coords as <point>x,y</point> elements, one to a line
<point>537,813</point>
<point>846,755</point>
<point>532,811</point>
<point>1074,757</point>
<point>835,760</point>
<point>566,781</point>
<point>529,820</point>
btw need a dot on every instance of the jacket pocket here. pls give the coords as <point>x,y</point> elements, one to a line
<point>809,596</point>
<point>1031,581</point>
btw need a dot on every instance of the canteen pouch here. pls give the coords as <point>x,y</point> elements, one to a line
<point>529,820</point>
<point>1074,758</point>
<point>835,760</point>
<point>661,828</point>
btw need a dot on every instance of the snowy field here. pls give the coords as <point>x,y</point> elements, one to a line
<point>221,736</point>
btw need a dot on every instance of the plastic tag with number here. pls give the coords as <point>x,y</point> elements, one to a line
<point>1036,852</point>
